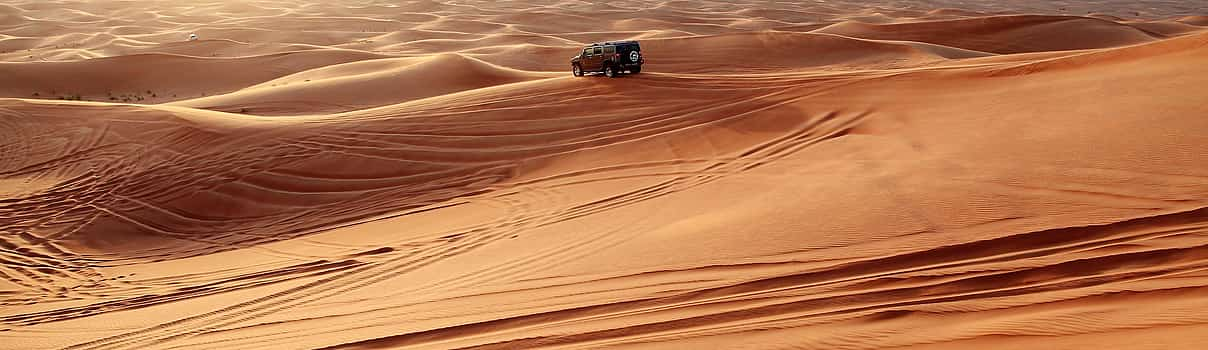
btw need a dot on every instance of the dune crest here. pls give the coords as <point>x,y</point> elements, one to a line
<point>333,89</point>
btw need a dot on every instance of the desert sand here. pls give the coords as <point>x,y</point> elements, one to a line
<point>930,174</point>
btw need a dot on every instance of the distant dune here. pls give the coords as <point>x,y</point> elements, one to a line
<point>1003,34</point>
<point>160,77</point>
<point>427,174</point>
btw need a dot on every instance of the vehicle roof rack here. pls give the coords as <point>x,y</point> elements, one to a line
<point>614,42</point>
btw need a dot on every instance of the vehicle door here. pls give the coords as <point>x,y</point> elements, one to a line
<point>585,59</point>
<point>596,60</point>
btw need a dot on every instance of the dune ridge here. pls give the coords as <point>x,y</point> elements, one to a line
<point>426,174</point>
<point>312,91</point>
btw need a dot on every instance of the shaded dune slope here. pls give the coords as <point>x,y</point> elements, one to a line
<point>424,153</point>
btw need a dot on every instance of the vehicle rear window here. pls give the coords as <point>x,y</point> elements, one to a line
<point>596,51</point>
<point>610,49</point>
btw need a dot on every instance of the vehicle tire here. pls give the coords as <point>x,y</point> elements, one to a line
<point>610,72</point>
<point>576,70</point>
<point>636,70</point>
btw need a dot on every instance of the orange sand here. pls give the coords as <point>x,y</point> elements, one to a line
<point>427,174</point>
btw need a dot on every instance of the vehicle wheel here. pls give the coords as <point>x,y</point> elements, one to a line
<point>576,70</point>
<point>610,72</point>
<point>636,70</point>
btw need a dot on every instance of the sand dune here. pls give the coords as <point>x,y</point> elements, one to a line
<point>159,77</point>
<point>427,174</point>
<point>777,51</point>
<point>1003,34</point>
<point>1195,20</point>
<point>218,48</point>
<point>338,89</point>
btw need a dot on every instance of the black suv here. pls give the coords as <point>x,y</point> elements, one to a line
<point>610,58</point>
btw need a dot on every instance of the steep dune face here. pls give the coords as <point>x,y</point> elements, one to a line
<point>427,175</point>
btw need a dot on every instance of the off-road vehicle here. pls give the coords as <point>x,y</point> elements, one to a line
<point>609,57</point>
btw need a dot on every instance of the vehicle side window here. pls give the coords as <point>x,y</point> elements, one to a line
<point>610,49</point>
<point>587,51</point>
<point>596,51</point>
